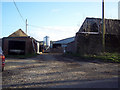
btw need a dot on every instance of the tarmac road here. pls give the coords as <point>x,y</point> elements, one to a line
<point>56,71</point>
<point>105,83</point>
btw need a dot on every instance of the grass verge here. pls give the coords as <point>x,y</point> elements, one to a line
<point>109,57</point>
<point>106,57</point>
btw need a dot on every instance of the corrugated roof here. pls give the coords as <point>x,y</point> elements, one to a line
<point>18,33</point>
<point>65,41</point>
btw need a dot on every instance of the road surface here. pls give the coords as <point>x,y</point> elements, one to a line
<point>56,71</point>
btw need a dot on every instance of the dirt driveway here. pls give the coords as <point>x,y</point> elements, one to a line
<point>53,70</point>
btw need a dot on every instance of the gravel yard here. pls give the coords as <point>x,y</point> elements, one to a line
<point>50,70</point>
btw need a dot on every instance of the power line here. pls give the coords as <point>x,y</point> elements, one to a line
<point>19,11</point>
<point>23,18</point>
<point>34,26</point>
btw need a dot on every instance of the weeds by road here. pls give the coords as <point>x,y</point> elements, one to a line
<point>103,57</point>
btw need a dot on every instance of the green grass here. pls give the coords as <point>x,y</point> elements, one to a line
<point>110,57</point>
<point>21,56</point>
<point>106,57</point>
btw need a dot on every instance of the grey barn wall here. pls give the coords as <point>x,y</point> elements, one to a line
<point>71,47</point>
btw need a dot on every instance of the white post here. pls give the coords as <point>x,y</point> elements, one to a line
<point>26,26</point>
<point>38,47</point>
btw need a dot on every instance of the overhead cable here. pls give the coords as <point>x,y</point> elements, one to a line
<point>34,26</point>
<point>19,11</point>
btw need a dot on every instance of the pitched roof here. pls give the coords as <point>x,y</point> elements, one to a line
<point>18,33</point>
<point>112,25</point>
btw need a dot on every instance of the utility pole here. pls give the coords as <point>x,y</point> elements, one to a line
<point>103,27</point>
<point>26,26</point>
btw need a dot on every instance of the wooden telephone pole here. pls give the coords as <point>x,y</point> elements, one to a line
<point>103,27</point>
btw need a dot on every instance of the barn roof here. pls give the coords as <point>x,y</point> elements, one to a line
<point>65,41</point>
<point>112,25</point>
<point>18,33</point>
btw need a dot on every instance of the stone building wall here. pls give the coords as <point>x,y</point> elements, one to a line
<point>88,43</point>
<point>92,43</point>
<point>89,37</point>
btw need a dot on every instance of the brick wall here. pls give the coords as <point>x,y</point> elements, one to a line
<point>28,44</point>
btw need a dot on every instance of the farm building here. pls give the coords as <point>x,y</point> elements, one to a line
<point>19,43</point>
<point>60,45</point>
<point>88,39</point>
<point>63,42</point>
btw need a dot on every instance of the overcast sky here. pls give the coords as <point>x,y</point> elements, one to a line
<point>58,20</point>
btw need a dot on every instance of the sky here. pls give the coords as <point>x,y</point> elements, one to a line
<point>58,20</point>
